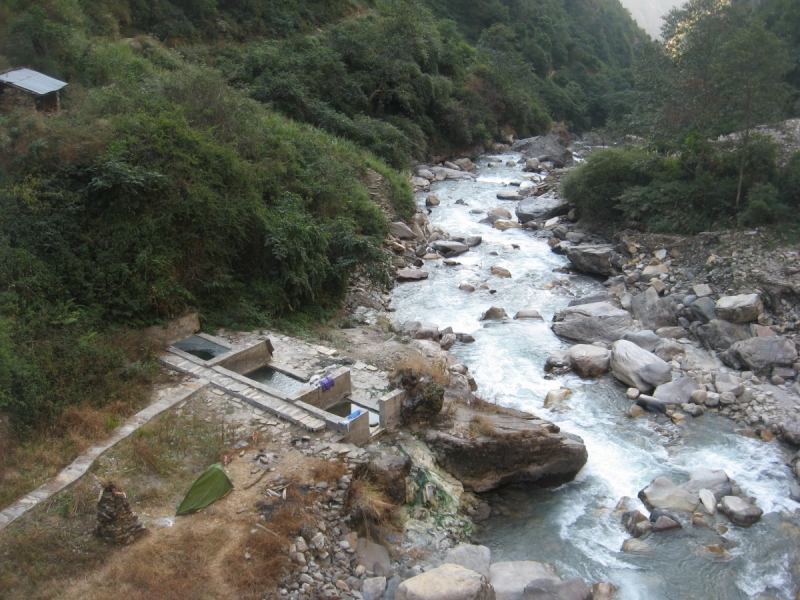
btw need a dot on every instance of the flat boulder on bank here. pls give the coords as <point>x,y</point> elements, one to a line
<point>761,354</point>
<point>446,582</point>
<point>510,578</point>
<point>411,274</point>
<point>589,323</point>
<point>739,309</point>
<point>470,556</point>
<point>510,450</point>
<point>678,391</point>
<point>401,230</point>
<point>596,260</point>
<point>637,367</point>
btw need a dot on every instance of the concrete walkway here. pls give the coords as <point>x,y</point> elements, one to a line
<point>81,464</point>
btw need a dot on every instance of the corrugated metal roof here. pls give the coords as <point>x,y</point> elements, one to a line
<point>32,81</point>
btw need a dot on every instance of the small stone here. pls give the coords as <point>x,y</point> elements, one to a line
<point>632,393</point>
<point>636,411</point>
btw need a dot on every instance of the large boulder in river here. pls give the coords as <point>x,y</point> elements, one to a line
<point>653,311</point>
<point>663,493</point>
<point>448,248</point>
<point>589,361</point>
<point>547,589</point>
<point>494,312</point>
<point>589,323</point>
<point>740,513</point>
<point>530,208</point>
<point>596,260</point>
<point>714,480</point>
<point>637,367</point>
<point>739,309</point>
<point>510,449</point>
<point>553,147</point>
<point>720,335</point>
<point>510,578</point>
<point>761,354</point>
<point>446,582</point>
<point>677,391</point>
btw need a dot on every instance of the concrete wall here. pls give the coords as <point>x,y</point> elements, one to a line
<point>358,430</point>
<point>247,360</point>
<point>389,409</point>
<point>314,395</point>
<point>176,330</point>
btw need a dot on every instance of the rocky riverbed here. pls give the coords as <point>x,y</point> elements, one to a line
<point>655,342</point>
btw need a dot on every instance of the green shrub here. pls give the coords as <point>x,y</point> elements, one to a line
<point>763,207</point>
<point>596,185</point>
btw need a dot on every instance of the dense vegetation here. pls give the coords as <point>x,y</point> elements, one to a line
<point>215,155</point>
<point>722,70</point>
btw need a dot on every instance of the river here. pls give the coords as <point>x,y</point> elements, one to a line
<point>574,526</point>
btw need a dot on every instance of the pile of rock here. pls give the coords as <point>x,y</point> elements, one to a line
<point>434,342</point>
<point>418,242</point>
<point>467,573</point>
<point>424,175</point>
<point>698,503</point>
<point>116,522</point>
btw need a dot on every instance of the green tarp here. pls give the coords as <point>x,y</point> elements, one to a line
<point>212,485</point>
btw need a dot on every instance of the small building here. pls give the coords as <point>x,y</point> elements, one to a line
<point>28,88</point>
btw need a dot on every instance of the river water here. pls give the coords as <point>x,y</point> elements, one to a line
<point>574,526</point>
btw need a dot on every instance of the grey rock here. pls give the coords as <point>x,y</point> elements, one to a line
<point>664,523</point>
<point>432,200</point>
<point>714,480</point>
<point>739,309</point>
<point>401,230</point>
<point>420,330</point>
<point>704,309</point>
<point>595,260</point>
<point>509,579</point>
<point>678,391</point>
<point>559,361</point>
<point>446,582</point>
<point>508,195</point>
<point>477,558</point>
<point>597,322</point>
<point>552,148</point>
<point>630,519</point>
<point>673,332</point>
<point>528,313</point>
<point>373,557</point>
<point>720,335</point>
<point>663,493</point>
<point>653,311</point>
<point>668,349</point>
<point>594,298</point>
<point>473,240</point>
<point>548,589</point>
<point>761,354</point>
<point>740,512</point>
<point>373,588</point>
<point>589,361</point>
<point>646,339</point>
<point>447,341</point>
<point>494,312</point>
<point>411,274</point>
<point>449,248</point>
<point>637,367</point>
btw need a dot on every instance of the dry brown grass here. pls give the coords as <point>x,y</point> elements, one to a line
<point>424,366</point>
<point>481,426</point>
<point>325,470</point>
<point>257,564</point>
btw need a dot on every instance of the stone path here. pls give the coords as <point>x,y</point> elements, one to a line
<point>80,465</point>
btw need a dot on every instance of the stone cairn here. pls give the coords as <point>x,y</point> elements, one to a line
<point>116,522</point>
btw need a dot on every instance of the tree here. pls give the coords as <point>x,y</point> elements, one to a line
<point>718,71</point>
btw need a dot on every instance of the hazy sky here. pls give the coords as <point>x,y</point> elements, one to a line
<point>648,12</point>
